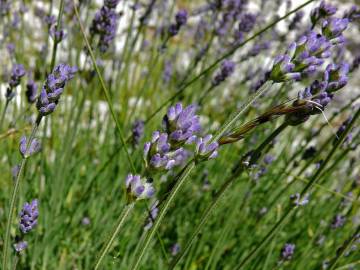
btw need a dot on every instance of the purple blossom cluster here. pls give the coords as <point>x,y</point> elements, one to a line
<point>17,72</point>
<point>138,188</point>
<point>319,94</point>
<point>104,25</point>
<point>303,57</point>
<point>29,216</point>
<point>323,11</point>
<point>33,148</point>
<point>287,251</point>
<point>137,131</point>
<point>180,20</point>
<point>226,69</point>
<point>53,88</point>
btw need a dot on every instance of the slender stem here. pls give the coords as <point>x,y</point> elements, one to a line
<point>219,195</point>
<point>180,182</point>
<point>15,192</point>
<point>105,90</point>
<point>125,213</point>
<point>293,207</point>
<point>266,86</point>
<point>4,113</point>
<point>56,42</point>
<point>342,250</point>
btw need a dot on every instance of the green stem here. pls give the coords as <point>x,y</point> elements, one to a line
<point>105,90</point>
<point>16,191</point>
<point>266,86</point>
<point>293,207</point>
<point>219,195</point>
<point>125,213</point>
<point>58,28</point>
<point>179,183</point>
<point>342,250</point>
<point>3,114</point>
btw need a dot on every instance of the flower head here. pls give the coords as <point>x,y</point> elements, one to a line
<point>29,216</point>
<point>324,10</point>
<point>17,72</point>
<point>287,251</point>
<point>20,246</point>
<point>31,91</point>
<point>138,188</point>
<point>181,124</point>
<point>180,20</point>
<point>205,149</point>
<point>334,27</point>
<point>54,87</point>
<point>104,25</point>
<point>34,147</point>
<point>227,68</point>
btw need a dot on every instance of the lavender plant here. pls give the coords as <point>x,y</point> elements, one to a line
<point>216,134</point>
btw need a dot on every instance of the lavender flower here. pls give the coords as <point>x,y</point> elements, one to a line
<point>137,131</point>
<point>20,246</point>
<point>154,210</point>
<point>10,48</point>
<point>338,221</point>
<point>336,76</point>
<point>324,10</point>
<point>298,200</point>
<point>227,68</point>
<point>180,20</point>
<point>28,216</point>
<point>158,154</point>
<point>333,27</point>
<point>175,249</point>
<point>247,22</point>
<point>34,147</point>
<point>296,20</point>
<point>206,150</point>
<point>53,88</point>
<point>287,251</point>
<point>181,124</point>
<point>18,71</point>
<point>353,13</point>
<point>31,91</point>
<point>104,25</point>
<point>138,188</point>
<point>167,71</point>
<point>57,35</point>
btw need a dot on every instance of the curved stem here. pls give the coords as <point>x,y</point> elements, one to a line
<point>56,42</point>
<point>125,213</point>
<point>16,191</point>
<point>293,207</point>
<point>180,182</point>
<point>105,90</point>
<point>219,195</point>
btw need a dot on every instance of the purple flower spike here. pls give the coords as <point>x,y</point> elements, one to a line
<point>206,150</point>
<point>31,91</point>
<point>138,188</point>
<point>20,246</point>
<point>28,216</point>
<point>105,25</point>
<point>137,131</point>
<point>180,20</point>
<point>53,88</point>
<point>227,68</point>
<point>247,22</point>
<point>324,10</point>
<point>181,124</point>
<point>34,147</point>
<point>17,72</point>
<point>287,251</point>
<point>336,76</point>
<point>333,27</point>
